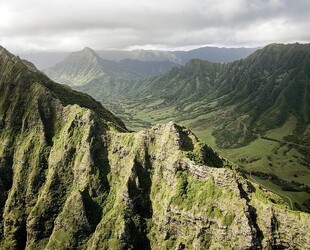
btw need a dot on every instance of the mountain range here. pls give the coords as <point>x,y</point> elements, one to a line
<point>213,54</point>
<point>44,60</point>
<point>254,110</point>
<point>85,66</point>
<point>73,176</point>
<point>265,88</point>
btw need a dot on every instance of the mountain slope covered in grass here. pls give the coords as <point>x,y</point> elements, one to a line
<point>72,176</point>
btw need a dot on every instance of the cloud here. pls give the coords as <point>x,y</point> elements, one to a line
<point>58,25</point>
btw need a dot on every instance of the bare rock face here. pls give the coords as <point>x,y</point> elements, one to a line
<point>73,177</point>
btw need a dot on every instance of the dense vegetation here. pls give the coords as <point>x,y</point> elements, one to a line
<point>72,176</point>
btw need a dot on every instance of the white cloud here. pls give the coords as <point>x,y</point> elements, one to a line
<point>59,25</point>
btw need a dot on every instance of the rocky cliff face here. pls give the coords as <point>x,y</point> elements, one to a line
<point>72,176</point>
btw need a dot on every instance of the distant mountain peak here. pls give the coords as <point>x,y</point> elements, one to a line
<point>85,52</point>
<point>79,67</point>
<point>88,50</point>
<point>6,54</point>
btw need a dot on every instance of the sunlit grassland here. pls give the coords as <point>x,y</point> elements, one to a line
<point>296,197</point>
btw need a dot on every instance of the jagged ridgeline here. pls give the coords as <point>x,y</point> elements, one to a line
<point>72,176</point>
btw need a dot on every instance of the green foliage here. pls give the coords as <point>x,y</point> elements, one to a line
<point>205,241</point>
<point>228,219</point>
<point>194,156</point>
<point>193,194</point>
<point>182,184</point>
<point>284,184</point>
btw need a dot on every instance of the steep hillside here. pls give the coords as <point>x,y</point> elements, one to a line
<point>73,177</point>
<point>196,80</point>
<point>270,85</point>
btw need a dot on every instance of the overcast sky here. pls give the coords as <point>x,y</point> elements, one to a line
<point>68,25</point>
